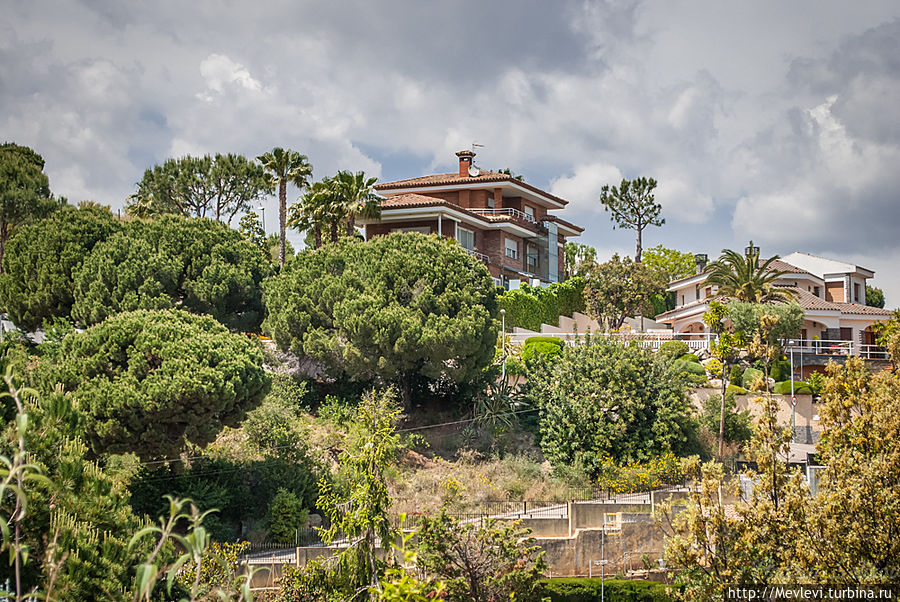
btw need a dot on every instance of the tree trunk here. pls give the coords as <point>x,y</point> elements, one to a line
<point>638,247</point>
<point>282,216</point>
<point>4,234</point>
<point>722,414</point>
<point>317,230</point>
<point>351,224</point>
<point>334,231</point>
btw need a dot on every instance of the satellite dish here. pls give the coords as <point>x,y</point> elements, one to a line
<point>474,171</point>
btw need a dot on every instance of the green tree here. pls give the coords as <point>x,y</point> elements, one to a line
<point>207,186</point>
<point>746,319</point>
<point>496,561</point>
<point>149,381</point>
<point>605,400</point>
<point>874,296</point>
<point>198,265</point>
<point>632,205</point>
<point>674,264</point>
<point>580,259</point>
<point>285,165</point>
<point>361,510</point>
<point>251,227</point>
<point>286,515</point>
<point>747,277</point>
<point>357,197</point>
<point>24,190</point>
<point>735,426</point>
<point>619,289</point>
<point>33,289</point>
<point>404,308</point>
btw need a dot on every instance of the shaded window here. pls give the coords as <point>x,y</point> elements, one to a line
<point>466,238</point>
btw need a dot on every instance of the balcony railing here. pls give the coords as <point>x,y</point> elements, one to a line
<point>480,256</point>
<point>514,213</point>
<point>835,348</point>
<point>647,340</point>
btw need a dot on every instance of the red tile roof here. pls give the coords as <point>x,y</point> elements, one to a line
<point>445,179</point>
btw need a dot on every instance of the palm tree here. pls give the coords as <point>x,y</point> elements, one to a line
<point>356,197</point>
<point>315,210</point>
<point>285,165</point>
<point>745,278</point>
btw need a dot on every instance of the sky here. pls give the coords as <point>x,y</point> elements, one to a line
<point>767,120</point>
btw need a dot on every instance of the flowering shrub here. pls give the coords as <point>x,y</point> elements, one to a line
<point>640,476</point>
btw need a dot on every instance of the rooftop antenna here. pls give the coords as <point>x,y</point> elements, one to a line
<point>473,169</point>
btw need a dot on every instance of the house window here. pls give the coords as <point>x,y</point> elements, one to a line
<point>533,257</point>
<point>490,201</point>
<point>466,238</point>
<point>856,292</point>
<point>529,211</point>
<point>816,291</point>
<point>512,249</point>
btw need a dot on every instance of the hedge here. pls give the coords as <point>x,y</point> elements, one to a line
<point>800,388</point>
<point>548,347</point>
<point>530,306</point>
<point>736,374</point>
<point>689,357</point>
<point>750,375</point>
<point>736,390</point>
<point>582,589</point>
<point>674,349</point>
<point>689,367</point>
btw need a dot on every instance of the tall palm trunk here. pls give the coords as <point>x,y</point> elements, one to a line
<point>282,216</point>
<point>351,224</point>
<point>334,231</point>
<point>317,230</point>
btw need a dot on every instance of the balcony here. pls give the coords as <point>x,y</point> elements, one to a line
<point>835,348</point>
<point>506,211</point>
<point>479,256</point>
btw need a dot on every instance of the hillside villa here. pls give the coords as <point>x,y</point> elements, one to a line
<point>501,220</point>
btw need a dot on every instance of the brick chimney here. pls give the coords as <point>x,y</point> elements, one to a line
<point>465,162</point>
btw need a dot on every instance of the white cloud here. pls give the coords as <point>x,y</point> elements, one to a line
<point>582,189</point>
<point>218,70</point>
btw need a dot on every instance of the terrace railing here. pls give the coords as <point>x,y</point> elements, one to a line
<point>835,348</point>
<point>505,211</point>
<point>647,340</point>
<point>479,256</point>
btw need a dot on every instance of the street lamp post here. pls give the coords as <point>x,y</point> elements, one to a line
<point>263,211</point>
<point>503,341</point>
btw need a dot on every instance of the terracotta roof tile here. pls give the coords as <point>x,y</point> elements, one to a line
<point>443,179</point>
<point>412,200</point>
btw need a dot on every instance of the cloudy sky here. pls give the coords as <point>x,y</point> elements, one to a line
<point>771,120</point>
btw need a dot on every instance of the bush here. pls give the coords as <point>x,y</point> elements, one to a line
<point>800,388</point>
<point>689,357</point>
<point>750,376</point>
<point>286,515</point>
<point>580,589</point>
<point>674,349</point>
<point>714,367</point>
<point>547,347</point>
<point>687,367</point>
<point>780,370</point>
<point>643,476</point>
<point>736,390</point>
<point>735,374</point>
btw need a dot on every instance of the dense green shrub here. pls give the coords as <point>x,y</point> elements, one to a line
<point>547,347</point>
<point>286,515</point>
<point>750,376</point>
<point>714,367</point>
<point>780,370</point>
<point>687,367</point>
<point>738,425</point>
<point>737,390</point>
<point>689,357</point>
<point>674,349</point>
<point>580,589</point>
<point>530,306</point>
<point>800,388</point>
<point>736,374</point>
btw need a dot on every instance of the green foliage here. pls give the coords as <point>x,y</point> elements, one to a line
<point>737,424</point>
<point>219,569</point>
<point>619,289</point>
<point>545,347</point>
<point>714,367</point>
<point>583,589</point>
<point>816,382</point>
<point>747,278</point>
<point>632,205</point>
<point>218,187</point>
<point>497,561</point>
<point>751,376</point>
<point>286,515</point>
<point>735,374</point>
<point>640,476</point>
<point>736,390</point>
<point>674,349</point>
<point>780,370</point>
<point>681,366</point>
<point>274,425</point>
<point>674,264</point>
<point>874,296</point>
<point>605,399</point>
<point>530,306</point>
<point>784,388</point>
<point>285,166</point>
<point>579,259</point>
<point>746,319</point>
<point>24,190</point>
<point>690,357</point>
<point>149,381</point>
<point>251,228</point>
<point>33,288</point>
<point>198,265</point>
<point>403,308</point>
